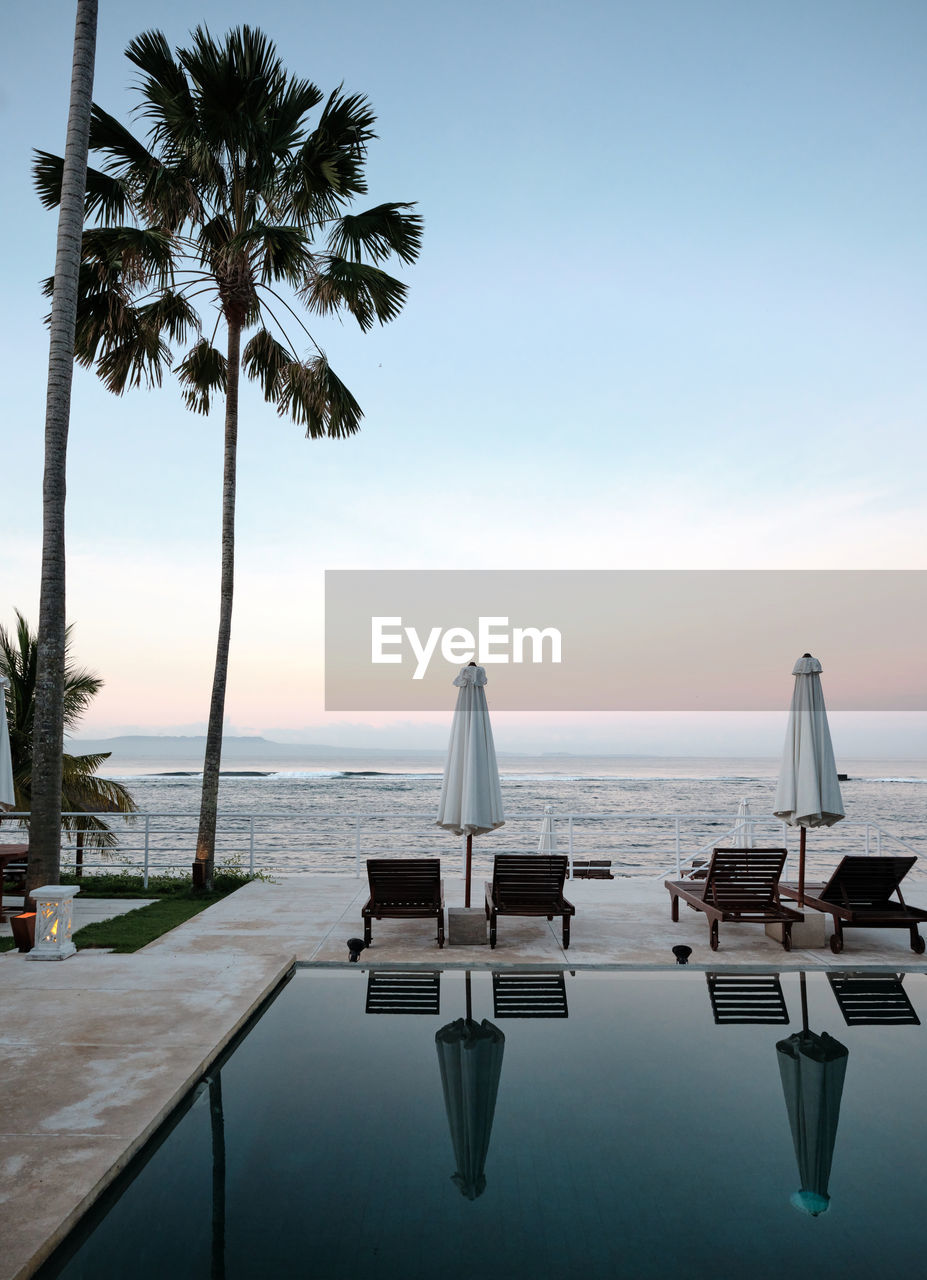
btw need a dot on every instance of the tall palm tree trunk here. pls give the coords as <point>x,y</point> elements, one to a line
<point>206,839</point>
<point>48,731</point>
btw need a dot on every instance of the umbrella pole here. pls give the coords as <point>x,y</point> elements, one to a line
<point>469,1000</point>
<point>801,868</point>
<point>804,1000</point>
<point>469,859</point>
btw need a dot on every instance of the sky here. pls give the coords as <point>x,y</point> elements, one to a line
<point>669,314</point>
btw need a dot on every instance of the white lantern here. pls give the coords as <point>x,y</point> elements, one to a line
<point>53,905</point>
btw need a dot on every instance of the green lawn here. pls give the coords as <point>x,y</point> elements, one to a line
<point>123,885</point>
<point>177,901</point>
<point>139,927</point>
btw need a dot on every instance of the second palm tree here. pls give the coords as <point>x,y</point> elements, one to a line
<point>236,199</point>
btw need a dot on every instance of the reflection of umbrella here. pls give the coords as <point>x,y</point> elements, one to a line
<point>812,1068</point>
<point>7,796</point>
<point>547,845</point>
<point>471,797</point>
<point>743,836</point>
<point>470,1058</point>
<point>808,793</point>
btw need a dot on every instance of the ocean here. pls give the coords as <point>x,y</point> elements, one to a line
<point>632,810</point>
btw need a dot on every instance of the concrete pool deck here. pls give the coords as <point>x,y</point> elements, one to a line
<point>97,1050</point>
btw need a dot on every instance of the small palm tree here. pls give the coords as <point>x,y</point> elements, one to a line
<point>233,213</point>
<point>82,790</point>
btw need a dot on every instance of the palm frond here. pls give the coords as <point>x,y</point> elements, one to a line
<point>365,291</point>
<point>80,688</point>
<point>107,197</point>
<point>203,373</point>
<point>265,359</point>
<point>313,395</point>
<point>162,191</point>
<point>328,168</point>
<point>170,312</point>
<point>164,88</point>
<point>378,232</point>
<point>84,789</point>
<point>142,256</point>
<point>281,252</point>
<point>83,792</point>
<point>213,238</point>
<point>136,360</point>
<point>104,316</point>
<point>126,156</point>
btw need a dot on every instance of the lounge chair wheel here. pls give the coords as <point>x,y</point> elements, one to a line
<point>786,939</point>
<point>713,936</point>
<point>918,944</point>
<point>836,944</point>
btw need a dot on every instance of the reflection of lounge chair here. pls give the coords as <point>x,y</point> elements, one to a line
<point>402,889</point>
<point>858,895</point>
<point>742,887</point>
<point>403,991</point>
<point>529,995</point>
<point>528,884</point>
<point>873,1000</point>
<point>746,998</point>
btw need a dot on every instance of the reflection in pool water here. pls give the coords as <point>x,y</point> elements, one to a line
<point>592,1125</point>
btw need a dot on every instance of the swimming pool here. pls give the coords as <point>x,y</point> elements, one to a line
<point>598,1124</point>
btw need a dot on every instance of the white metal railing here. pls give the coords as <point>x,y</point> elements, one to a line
<point>339,841</point>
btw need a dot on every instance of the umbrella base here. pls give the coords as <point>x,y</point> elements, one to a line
<point>810,934</point>
<point>466,926</point>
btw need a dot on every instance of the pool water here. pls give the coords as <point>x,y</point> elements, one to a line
<point>596,1124</point>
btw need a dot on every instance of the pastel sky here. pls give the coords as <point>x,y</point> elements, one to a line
<point>669,314</point>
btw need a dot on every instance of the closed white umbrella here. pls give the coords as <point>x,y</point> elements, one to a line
<point>743,836</point>
<point>471,796</point>
<point>547,844</point>
<point>7,795</point>
<point>808,793</point>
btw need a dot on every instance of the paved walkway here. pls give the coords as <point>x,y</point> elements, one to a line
<point>95,1051</point>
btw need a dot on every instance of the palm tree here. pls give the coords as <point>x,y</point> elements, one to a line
<point>225,204</point>
<point>83,792</point>
<point>48,730</point>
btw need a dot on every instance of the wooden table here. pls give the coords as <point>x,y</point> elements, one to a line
<point>10,853</point>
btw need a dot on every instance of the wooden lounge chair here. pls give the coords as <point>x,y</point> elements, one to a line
<point>594,869</point>
<point>404,888</point>
<point>14,859</point>
<point>528,884</point>
<point>742,886</point>
<point>859,895</point>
